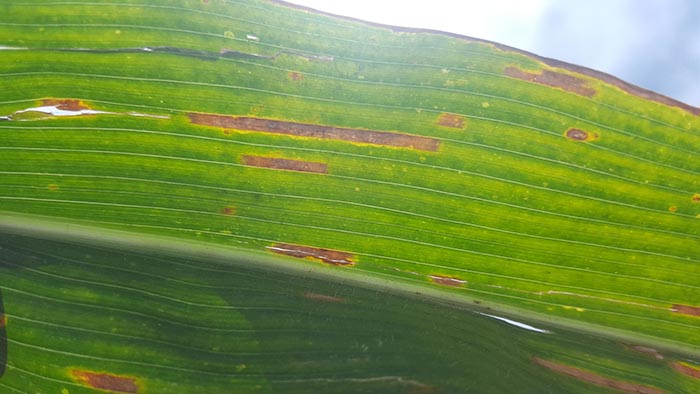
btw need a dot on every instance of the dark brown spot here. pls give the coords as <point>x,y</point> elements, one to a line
<point>295,76</point>
<point>285,164</point>
<point>105,381</point>
<point>686,309</point>
<point>646,351</point>
<point>65,104</point>
<point>672,208</point>
<point>580,135</point>
<point>228,211</point>
<point>447,281</point>
<point>553,79</point>
<point>317,131</point>
<point>598,380</point>
<point>696,197</point>
<point>3,337</point>
<point>334,257</point>
<point>687,369</point>
<point>323,297</point>
<point>451,120</point>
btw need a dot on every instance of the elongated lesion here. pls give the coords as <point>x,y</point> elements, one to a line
<point>106,381</point>
<point>596,379</point>
<point>285,164</point>
<point>328,256</point>
<point>263,125</point>
<point>686,309</point>
<point>553,79</point>
<point>686,369</point>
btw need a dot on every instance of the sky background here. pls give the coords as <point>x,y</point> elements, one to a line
<point>652,43</point>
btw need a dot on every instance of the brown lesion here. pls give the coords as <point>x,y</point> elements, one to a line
<point>575,134</point>
<point>687,369</point>
<point>451,120</point>
<point>695,198</point>
<point>686,310</point>
<point>295,75</point>
<point>106,381</point>
<point>447,280</point>
<point>645,350</point>
<point>285,164</point>
<point>328,256</point>
<point>373,137</point>
<point>553,79</point>
<point>65,104</point>
<point>596,379</point>
<point>323,297</point>
<point>228,210</point>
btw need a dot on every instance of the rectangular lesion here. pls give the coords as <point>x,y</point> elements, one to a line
<point>554,79</point>
<point>285,164</point>
<point>328,256</point>
<point>373,137</point>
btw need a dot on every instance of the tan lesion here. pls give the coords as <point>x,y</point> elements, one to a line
<point>65,104</point>
<point>323,297</point>
<point>596,379</point>
<point>447,280</point>
<point>687,369</point>
<point>285,164</point>
<point>362,136</point>
<point>686,310</point>
<point>553,79</point>
<point>295,75</point>
<point>575,134</point>
<point>451,120</point>
<point>106,381</point>
<point>328,256</point>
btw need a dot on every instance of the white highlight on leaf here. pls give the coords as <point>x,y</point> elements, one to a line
<point>517,324</point>
<point>54,110</point>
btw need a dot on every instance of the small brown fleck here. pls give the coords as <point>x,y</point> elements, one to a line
<point>594,378</point>
<point>228,211</point>
<point>686,309</point>
<point>451,120</point>
<point>334,257</point>
<point>372,137</point>
<point>566,82</point>
<point>447,281</point>
<point>687,369</point>
<point>295,76</point>
<point>65,104</point>
<point>285,164</point>
<point>672,208</point>
<point>696,198</point>
<point>323,297</point>
<point>53,187</point>
<point>106,381</point>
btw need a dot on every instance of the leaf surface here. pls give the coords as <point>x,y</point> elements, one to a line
<point>405,160</point>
